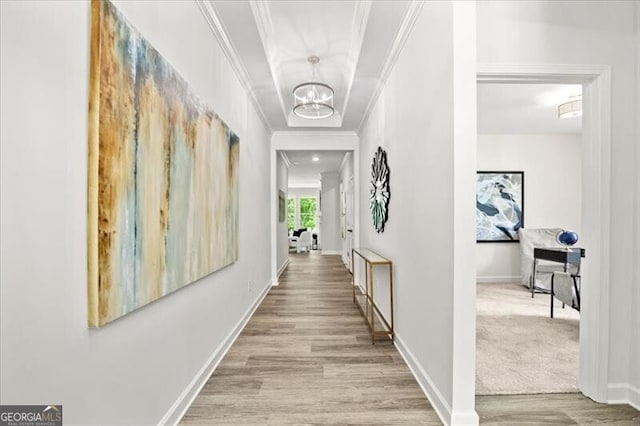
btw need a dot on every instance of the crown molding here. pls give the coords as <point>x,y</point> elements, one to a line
<point>314,133</point>
<point>403,33</point>
<point>358,28</point>
<point>302,186</point>
<point>285,158</point>
<point>264,24</point>
<point>344,161</point>
<point>212,18</point>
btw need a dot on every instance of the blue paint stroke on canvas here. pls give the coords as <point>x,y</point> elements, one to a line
<point>498,206</point>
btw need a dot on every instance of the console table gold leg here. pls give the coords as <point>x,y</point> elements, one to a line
<point>391,294</point>
<point>373,323</point>
<point>353,276</point>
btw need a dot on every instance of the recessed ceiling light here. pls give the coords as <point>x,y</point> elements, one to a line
<point>571,109</point>
<point>316,159</point>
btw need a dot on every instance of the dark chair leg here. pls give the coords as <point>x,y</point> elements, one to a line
<point>575,287</point>
<point>551,293</point>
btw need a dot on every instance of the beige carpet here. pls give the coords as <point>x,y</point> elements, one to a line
<point>520,350</point>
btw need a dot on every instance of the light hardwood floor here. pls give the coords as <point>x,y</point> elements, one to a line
<point>305,357</point>
<point>552,409</point>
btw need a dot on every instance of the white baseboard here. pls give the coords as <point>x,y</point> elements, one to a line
<point>499,279</point>
<point>623,393</point>
<point>634,397</point>
<point>465,418</point>
<point>186,398</point>
<point>617,393</point>
<point>331,252</point>
<point>275,281</point>
<point>432,393</point>
<point>359,285</point>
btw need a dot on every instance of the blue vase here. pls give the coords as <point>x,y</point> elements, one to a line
<point>568,238</point>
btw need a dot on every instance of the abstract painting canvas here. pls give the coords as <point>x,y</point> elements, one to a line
<point>499,206</point>
<point>163,175</point>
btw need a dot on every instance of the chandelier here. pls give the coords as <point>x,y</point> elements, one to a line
<point>313,100</point>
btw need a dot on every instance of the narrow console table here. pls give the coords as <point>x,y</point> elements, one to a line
<point>378,324</point>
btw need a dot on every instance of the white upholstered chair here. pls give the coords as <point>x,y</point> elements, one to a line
<point>304,242</point>
<point>293,242</point>
<point>544,238</point>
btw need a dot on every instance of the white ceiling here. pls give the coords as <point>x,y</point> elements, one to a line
<point>273,39</point>
<point>305,173</point>
<point>268,42</point>
<point>525,108</point>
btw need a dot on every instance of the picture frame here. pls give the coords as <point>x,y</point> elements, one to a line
<point>499,206</point>
<point>282,206</point>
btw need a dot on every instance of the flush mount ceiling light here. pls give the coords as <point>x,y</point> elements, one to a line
<point>315,159</point>
<point>313,100</point>
<point>572,108</point>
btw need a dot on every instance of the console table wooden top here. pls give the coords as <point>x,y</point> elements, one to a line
<point>372,257</point>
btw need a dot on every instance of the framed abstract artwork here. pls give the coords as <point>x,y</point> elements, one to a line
<point>499,206</point>
<point>282,206</point>
<point>162,175</point>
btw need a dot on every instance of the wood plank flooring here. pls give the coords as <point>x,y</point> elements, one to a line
<point>305,357</point>
<point>552,409</point>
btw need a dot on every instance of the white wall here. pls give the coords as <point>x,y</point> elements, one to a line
<point>134,369</point>
<point>634,365</point>
<point>346,183</point>
<point>552,191</point>
<point>304,192</point>
<point>330,241</point>
<point>426,138</point>
<point>587,32</point>
<point>314,140</point>
<point>282,182</point>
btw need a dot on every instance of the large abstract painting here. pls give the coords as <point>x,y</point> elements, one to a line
<point>499,206</point>
<point>163,175</point>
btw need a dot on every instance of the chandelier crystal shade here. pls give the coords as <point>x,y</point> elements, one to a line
<point>313,100</point>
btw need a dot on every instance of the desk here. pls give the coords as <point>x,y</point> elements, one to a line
<point>365,301</point>
<point>568,257</point>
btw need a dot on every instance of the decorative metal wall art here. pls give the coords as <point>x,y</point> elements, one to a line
<point>380,192</point>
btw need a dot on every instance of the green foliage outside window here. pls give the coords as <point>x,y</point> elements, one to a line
<point>308,208</point>
<point>291,213</point>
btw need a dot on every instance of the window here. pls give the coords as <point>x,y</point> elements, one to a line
<point>308,208</point>
<point>291,213</point>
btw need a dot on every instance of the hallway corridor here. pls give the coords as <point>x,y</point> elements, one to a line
<point>306,357</point>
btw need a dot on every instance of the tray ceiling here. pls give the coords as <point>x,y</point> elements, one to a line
<point>270,41</point>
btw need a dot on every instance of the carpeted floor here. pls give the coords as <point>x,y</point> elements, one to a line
<point>520,350</point>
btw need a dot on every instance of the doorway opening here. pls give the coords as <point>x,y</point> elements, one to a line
<point>594,206</point>
<point>529,184</point>
<point>315,204</point>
